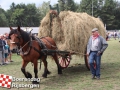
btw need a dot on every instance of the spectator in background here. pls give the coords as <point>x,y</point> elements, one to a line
<point>118,35</point>
<point>6,47</point>
<point>9,51</point>
<point>6,53</point>
<point>2,44</point>
<point>115,35</point>
<point>107,36</point>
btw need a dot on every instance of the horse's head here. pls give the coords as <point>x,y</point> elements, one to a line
<point>11,44</point>
<point>18,36</point>
<point>15,35</point>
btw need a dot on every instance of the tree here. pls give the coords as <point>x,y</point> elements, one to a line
<point>91,7</point>
<point>61,5</point>
<point>23,15</point>
<point>43,9</point>
<point>107,14</point>
<point>85,6</point>
<point>67,5</point>
<point>32,15</point>
<point>3,19</point>
<point>16,18</point>
<point>117,15</point>
<point>104,9</point>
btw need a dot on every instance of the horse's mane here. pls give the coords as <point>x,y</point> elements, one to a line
<point>24,34</point>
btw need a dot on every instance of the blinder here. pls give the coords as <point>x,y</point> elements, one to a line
<point>18,37</point>
<point>15,32</point>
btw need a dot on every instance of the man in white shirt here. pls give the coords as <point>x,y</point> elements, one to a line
<point>95,48</point>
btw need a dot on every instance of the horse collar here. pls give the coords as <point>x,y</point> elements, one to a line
<point>24,53</point>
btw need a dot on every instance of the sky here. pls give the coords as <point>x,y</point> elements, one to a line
<point>5,4</point>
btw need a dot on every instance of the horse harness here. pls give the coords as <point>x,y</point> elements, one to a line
<point>44,49</point>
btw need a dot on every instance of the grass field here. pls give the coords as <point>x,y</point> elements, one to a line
<point>76,76</point>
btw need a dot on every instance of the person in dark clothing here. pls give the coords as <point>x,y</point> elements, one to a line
<point>2,44</point>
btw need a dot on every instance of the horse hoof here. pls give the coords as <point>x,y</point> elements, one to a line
<point>35,82</point>
<point>29,75</point>
<point>45,76</point>
<point>60,72</point>
<point>48,72</point>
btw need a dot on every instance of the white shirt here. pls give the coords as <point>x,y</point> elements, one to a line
<point>94,45</point>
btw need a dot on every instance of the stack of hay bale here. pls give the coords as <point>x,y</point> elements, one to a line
<point>70,30</point>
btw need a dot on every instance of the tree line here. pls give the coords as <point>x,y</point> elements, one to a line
<point>30,16</point>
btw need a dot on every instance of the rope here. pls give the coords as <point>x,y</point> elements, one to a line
<point>23,46</point>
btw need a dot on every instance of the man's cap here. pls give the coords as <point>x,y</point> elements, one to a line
<point>95,29</point>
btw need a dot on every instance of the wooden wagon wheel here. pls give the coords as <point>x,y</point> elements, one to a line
<point>64,61</point>
<point>86,58</point>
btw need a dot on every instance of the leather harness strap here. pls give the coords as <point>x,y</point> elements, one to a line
<point>42,45</point>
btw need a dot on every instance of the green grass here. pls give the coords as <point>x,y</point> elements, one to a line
<point>76,76</point>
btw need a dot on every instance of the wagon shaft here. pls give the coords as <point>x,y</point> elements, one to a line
<point>49,51</point>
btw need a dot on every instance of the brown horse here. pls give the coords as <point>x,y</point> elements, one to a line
<point>31,50</point>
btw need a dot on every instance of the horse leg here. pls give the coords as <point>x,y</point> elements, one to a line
<point>27,74</point>
<point>45,67</point>
<point>35,71</point>
<point>58,65</point>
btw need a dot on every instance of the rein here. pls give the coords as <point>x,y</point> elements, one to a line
<point>24,53</point>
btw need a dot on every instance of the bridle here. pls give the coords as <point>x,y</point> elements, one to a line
<point>20,49</point>
<point>18,37</point>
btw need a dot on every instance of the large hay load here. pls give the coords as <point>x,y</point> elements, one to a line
<point>70,30</point>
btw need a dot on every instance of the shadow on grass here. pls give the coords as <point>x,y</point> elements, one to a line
<point>110,70</point>
<point>67,76</point>
<point>79,73</point>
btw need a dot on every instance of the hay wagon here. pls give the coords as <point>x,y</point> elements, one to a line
<point>71,32</point>
<point>64,57</point>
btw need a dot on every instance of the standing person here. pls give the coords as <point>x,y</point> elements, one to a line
<point>95,48</point>
<point>9,51</point>
<point>6,47</point>
<point>115,35</point>
<point>119,35</point>
<point>2,50</point>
